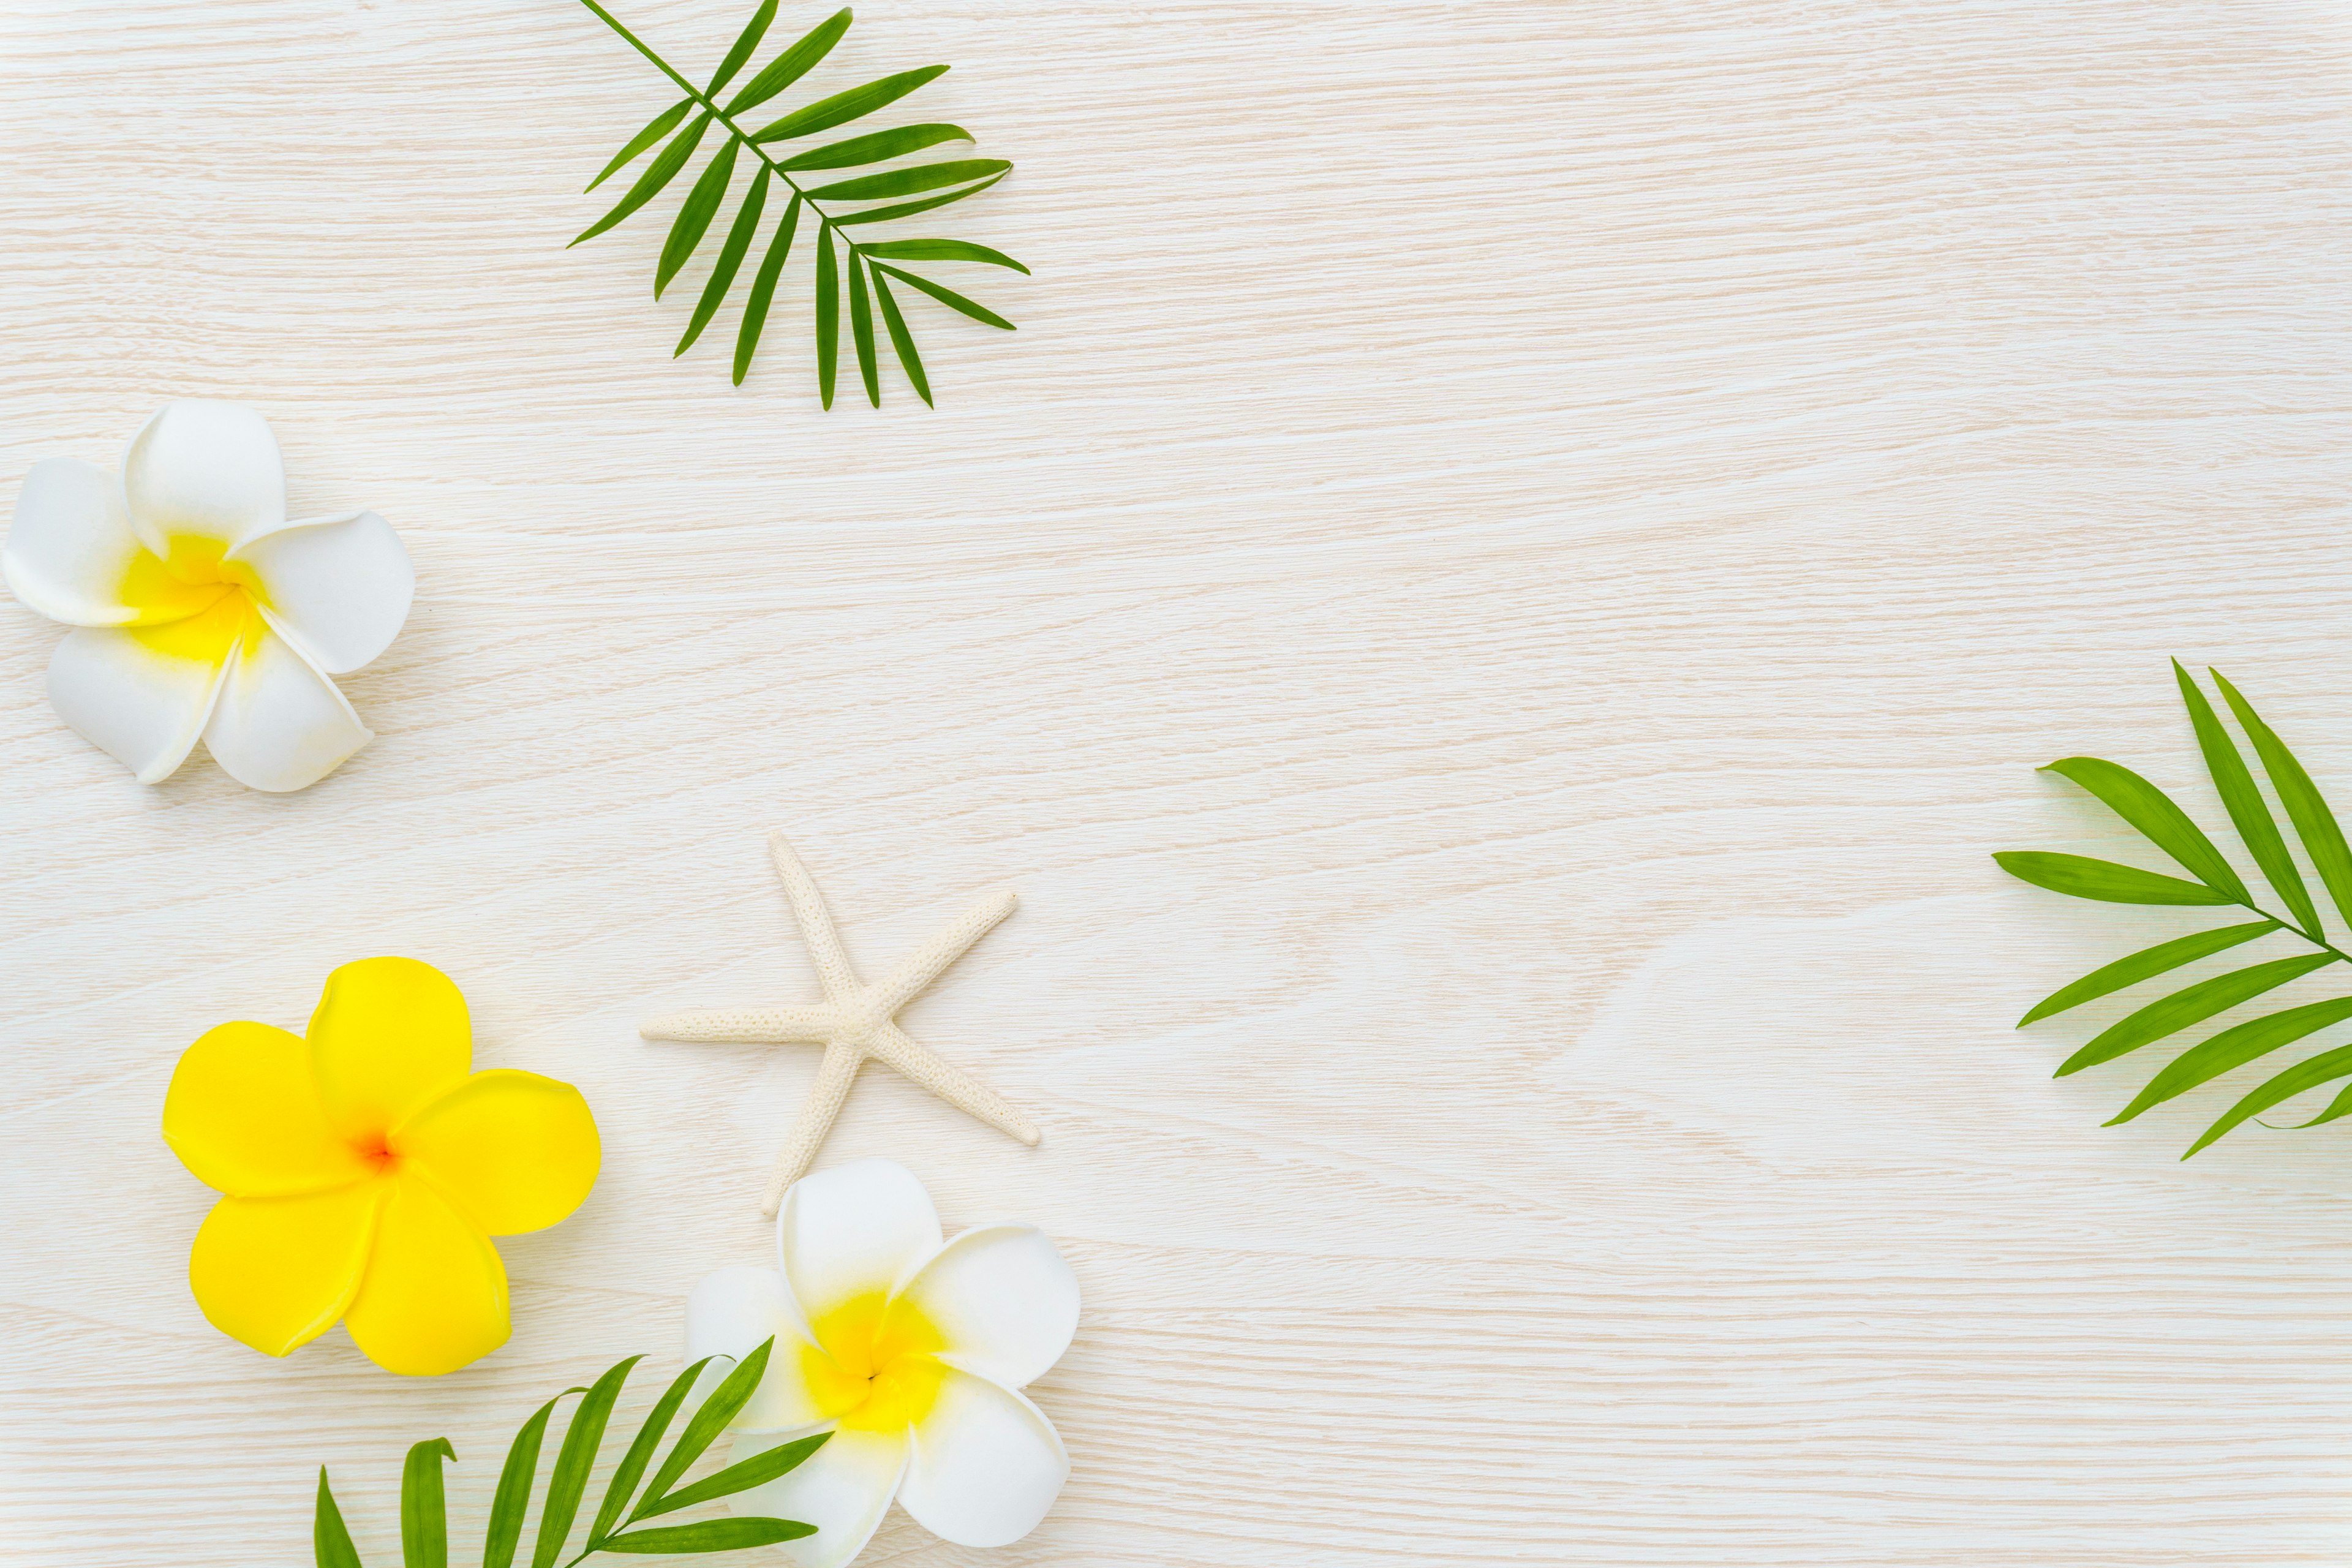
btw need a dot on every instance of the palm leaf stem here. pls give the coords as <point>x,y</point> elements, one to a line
<point>710,105</point>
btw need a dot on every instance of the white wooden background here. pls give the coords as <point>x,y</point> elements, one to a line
<point>1523,554</point>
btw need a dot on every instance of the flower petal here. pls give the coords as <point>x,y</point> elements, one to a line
<point>844,1488</point>
<point>339,586</point>
<point>854,1229</point>
<point>389,1037</point>
<point>435,1294</point>
<point>275,1273</point>
<point>244,1116</point>
<point>1003,1299</point>
<point>143,694</point>
<point>517,1151</point>
<point>729,1313</point>
<point>72,554</point>
<point>986,1465</point>
<point>279,724</point>
<point>199,478</point>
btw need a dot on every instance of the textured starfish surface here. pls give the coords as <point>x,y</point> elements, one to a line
<point>854,1022</point>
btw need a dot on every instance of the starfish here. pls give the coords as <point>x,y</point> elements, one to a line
<point>854,1022</point>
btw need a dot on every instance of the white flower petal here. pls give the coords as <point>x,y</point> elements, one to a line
<point>142,695</point>
<point>986,1465</point>
<point>844,1488</point>
<point>1003,1299</point>
<point>205,473</point>
<point>72,554</point>
<point>279,724</point>
<point>339,587</point>
<point>727,1315</point>
<point>856,1229</point>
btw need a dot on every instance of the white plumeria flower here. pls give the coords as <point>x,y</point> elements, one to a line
<point>911,1353</point>
<point>204,610</point>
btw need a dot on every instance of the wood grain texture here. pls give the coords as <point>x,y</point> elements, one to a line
<point>1521,557</point>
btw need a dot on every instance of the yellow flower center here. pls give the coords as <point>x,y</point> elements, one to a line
<point>192,604</point>
<point>876,1369</point>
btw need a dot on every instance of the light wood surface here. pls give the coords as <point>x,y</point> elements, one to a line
<point>1523,554</point>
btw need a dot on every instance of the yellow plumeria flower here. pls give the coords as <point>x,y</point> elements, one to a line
<point>367,1167</point>
<point>911,1352</point>
<point>204,609</point>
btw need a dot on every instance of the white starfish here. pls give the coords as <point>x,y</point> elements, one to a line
<point>854,1022</point>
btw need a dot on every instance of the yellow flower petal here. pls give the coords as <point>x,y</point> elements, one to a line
<point>275,1273</point>
<point>390,1037</point>
<point>242,1115</point>
<point>515,1151</point>
<point>435,1293</point>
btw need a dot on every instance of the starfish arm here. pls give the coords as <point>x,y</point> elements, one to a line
<point>952,1084</point>
<point>742,1025</point>
<point>951,941</point>
<point>824,1103</point>
<point>833,971</point>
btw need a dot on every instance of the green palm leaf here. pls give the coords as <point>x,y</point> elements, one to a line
<point>844,107</point>
<point>2323,840</point>
<point>941,250</point>
<point>2323,1067</point>
<point>2159,821</point>
<point>910,182</point>
<point>659,128</point>
<point>2080,877</point>
<point>924,188</point>
<point>793,64</point>
<point>330,1542</point>
<point>511,1505</point>
<point>2145,965</point>
<point>2234,1048</point>
<point>2192,1005</point>
<point>2244,804</point>
<point>875,146</point>
<point>901,338</point>
<point>424,1509</point>
<point>2165,825</point>
<point>861,332</point>
<point>423,1522</point>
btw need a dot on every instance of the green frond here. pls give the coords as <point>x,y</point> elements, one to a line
<point>939,250</point>
<point>2234,1048</point>
<point>844,107</point>
<point>901,339</point>
<point>763,290</point>
<point>2146,965</point>
<point>875,146</point>
<point>910,182</point>
<point>908,209</point>
<point>793,64</point>
<point>861,332</point>
<point>2247,811</point>
<point>2315,824</point>
<point>828,313</point>
<point>740,50</point>
<point>731,258</point>
<point>424,1508</point>
<point>573,1462</point>
<point>424,1520</point>
<point>2324,1067</point>
<point>680,131</point>
<point>330,1542</point>
<point>654,131</point>
<point>658,173</point>
<point>709,1535</point>
<point>2158,820</point>
<point>2080,877</point>
<point>511,1504</point>
<point>2192,1005</point>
